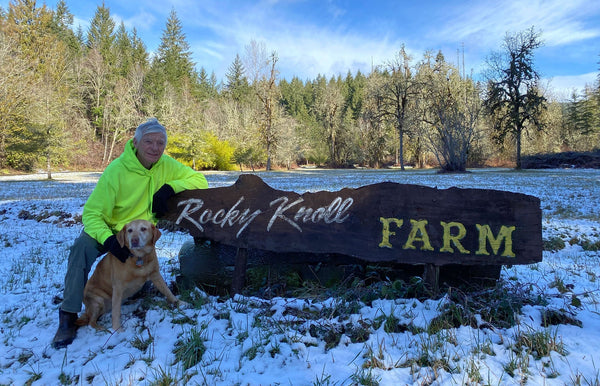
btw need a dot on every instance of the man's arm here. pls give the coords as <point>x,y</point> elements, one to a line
<point>96,211</point>
<point>181,177</point>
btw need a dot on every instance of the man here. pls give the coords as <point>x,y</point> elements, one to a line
<point>137,185</point>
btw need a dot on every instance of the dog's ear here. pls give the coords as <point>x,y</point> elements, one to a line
<point>155,234</point>
<point>121,236</point>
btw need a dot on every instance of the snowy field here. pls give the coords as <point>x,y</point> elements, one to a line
<point>255,341</point>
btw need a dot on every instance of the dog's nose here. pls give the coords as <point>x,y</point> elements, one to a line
<point>135,242</point>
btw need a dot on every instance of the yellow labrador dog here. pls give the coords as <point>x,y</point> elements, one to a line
<point>114,281</point>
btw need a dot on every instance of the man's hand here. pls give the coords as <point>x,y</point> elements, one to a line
<point>160,198</point>
<point>113,246</point>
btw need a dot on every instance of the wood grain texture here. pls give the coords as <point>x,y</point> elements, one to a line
<point>424,225</point>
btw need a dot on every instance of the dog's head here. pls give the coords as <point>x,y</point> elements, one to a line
<point>139,236</point>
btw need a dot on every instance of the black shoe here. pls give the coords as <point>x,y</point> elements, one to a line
<point>67,330</point>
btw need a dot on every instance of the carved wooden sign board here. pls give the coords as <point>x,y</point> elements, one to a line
<point>383,222</point>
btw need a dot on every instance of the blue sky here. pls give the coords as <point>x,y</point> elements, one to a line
<point>332,37</point>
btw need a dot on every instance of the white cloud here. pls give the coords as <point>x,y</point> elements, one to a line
<point>141,21</point>
<point>565,85</point>
<point>304,50</point>
<point>314,52</point>
<point>486,23</point>
<point>217,31</point>
<point>80,23</point>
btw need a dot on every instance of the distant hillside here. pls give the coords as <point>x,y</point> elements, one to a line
<point>568,159</point>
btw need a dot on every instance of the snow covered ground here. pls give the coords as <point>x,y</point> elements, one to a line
<point>280,341</point>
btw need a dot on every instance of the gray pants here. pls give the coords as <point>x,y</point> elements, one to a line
<point>84,252</point>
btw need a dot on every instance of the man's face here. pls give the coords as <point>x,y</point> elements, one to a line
<point>150,148</point>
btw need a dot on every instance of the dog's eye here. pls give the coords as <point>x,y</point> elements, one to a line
<point>144,229</point>
<point>129,230</point>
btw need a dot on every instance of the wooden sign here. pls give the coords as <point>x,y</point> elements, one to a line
<point>384,222</point>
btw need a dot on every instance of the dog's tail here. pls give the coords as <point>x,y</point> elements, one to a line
<point>83,320</point>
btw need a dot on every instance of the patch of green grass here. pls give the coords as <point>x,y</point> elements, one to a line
<point>66,379</point>
<point>35,376</point>
<point>560,285</point>
<point>323,379</point>
<point>24,357</point>
<point>193,297</point>
<point>553,244</point>
<point>474,372</point>
<point>579,379</point>
<point>358,332</point>
<point>539,344</point>
<point>365,377</point>
<point>556,317</point>
<point>330,333</point>
<point>253,351</point>
<point>163,377</point>
<point>589,245</point>
<point>275,349</point>
<point>184,319</point>
<point>189,351</point>
<point>399,289</point>
<point>241,337</point>
<point>453,316</point>
<point>142,343</point>
<point>498,306</point>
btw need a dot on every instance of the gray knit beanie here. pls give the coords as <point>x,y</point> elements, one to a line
<point>150,126</point>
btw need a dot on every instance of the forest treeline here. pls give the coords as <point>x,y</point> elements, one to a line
<point>69,99</point>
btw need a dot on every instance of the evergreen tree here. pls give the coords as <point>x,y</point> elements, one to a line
<point>292,98</point>
<point>207,85</point>
<point>129,52</point>
<point>139,53</point>
<point>123,51</point>
<point>100,75</point>
<point>40,47</point>
<point>61,22</point>
<point>172,64</point>
<point>237,83</point>
<point>16,78</point>
<point>101,34</point>
<point>355,93</point>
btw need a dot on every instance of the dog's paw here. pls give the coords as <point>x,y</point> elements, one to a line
<point>118,330</point>
<point>182,304</point>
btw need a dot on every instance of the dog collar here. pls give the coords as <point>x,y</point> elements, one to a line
<point>139,262</point>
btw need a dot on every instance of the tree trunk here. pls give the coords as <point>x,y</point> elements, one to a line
<point>48,168</point>
<point>268,167</point>
<point>401,148</point>
<point>518,135</point>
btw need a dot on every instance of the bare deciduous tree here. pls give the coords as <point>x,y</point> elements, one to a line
<point>373,124</point>
<point>329,104</point>
<point>264,73</point>
<point>513,97</point>
<point>398,93</point>
<point>451,106</point>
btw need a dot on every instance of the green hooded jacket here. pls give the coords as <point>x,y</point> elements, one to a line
<point>125,189</point>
